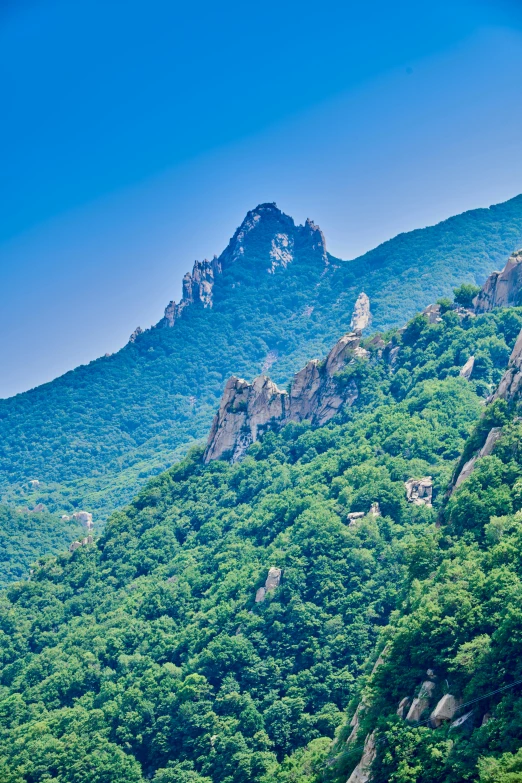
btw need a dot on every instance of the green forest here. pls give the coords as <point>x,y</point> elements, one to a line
<point>25,535</point>
<point>94,437</point>
<point>145,655</point>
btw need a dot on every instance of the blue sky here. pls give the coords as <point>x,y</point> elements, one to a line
<point>136,135</point>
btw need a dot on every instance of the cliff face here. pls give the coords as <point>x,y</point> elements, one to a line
<point>511,382</point>
<point>197,287</point>
<point>502,289</point>
<point>316,395</point>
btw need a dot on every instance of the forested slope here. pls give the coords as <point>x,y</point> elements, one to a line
<point>146,656</point>
<point>94,436</point>
<point>25,536</point>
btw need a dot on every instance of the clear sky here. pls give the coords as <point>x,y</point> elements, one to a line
<point>135,135</point>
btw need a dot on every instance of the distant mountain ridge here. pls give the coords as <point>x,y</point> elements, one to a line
<point>273,299</point>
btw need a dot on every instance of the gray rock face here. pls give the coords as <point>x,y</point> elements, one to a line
<point>501,289</point>
<point>511,382</point>
<point>244,413</point>
<point>403,707</point>
<point>362,772</point>
<point>419,491</point>
<point>249,409</point>
<point>136,333</point>
<point>272,581</point>
<point>493,435</point>
<point>281,248</point>
<point>281,252</point>
<point>432,313</point>
<point>197,287</point>
<point>467,369</point>
<point>445,709</point>
<point>421,703</point>
<point>361,317</point>
<point>84,518</point>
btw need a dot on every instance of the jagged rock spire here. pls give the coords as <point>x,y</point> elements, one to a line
<point>278,243</point>
<point>361,317</point>
<point>249,409</point>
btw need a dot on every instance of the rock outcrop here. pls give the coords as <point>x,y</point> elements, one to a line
<point>467,368</point>
<point>361,317</point>
<point>404,706</point>
<point>249,409</point>
<point>84,542</point>
<point>278,242</point>
<point>444,710</point>
<point>502,289</point>
<point>493,435</point>
<point>362,772</point>
<point>197,287</point>
<point>272,581</point>
<point>419,491</point>
<point>245,411</point>
<point>421,704</point>
<point>82,517</point>
<point>511,382</point>
<point>136,333</point>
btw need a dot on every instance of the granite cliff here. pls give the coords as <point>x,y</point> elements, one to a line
<point>502,289</point>
<point>315,394</point>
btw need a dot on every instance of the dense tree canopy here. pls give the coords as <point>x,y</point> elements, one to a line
<point>145,655</point>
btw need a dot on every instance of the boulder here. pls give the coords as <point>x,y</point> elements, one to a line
<point>467,369</point>
<point>403,707</point>
<point>362,772</point>
<point>84,518</point>
<point>445,709</point>
<point>432,313</point>
<point>272,581</point>
<point>419,491</point>
<point>375,509</point>
<point>421,703</point>
<point>74,546</point>
<point>353,516</point>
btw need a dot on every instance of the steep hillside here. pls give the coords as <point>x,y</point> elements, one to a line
<point>222,624</point>
<point>25,536</point>
<point>444,699</point>
<point>273,299</point>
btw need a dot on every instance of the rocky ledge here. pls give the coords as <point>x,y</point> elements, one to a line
<point>316,394</point>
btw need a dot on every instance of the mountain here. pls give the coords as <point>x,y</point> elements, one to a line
<point>272,300</point>
<point>298,610</point>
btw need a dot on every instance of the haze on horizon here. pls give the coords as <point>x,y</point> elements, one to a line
<point>136,137</point>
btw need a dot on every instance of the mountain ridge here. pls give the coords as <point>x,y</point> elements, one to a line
<point>93,436</point>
